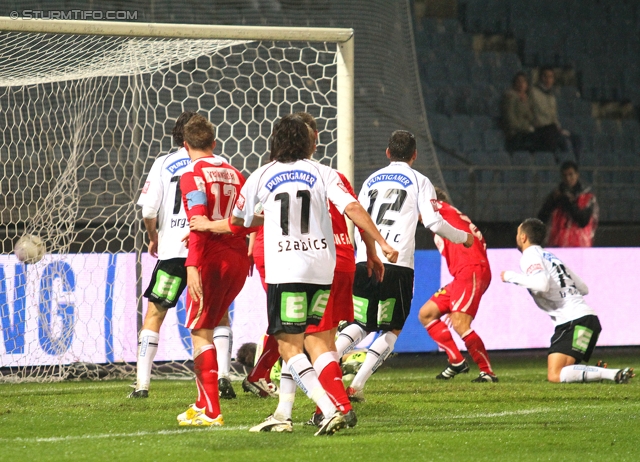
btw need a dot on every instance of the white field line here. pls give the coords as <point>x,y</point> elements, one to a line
<point>57,439</point>
<point>488,415</point>
<point>52,391</point>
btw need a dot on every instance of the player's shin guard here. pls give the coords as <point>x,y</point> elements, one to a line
<point>267,359</point>
<point>378,352</point>
<point>349,338</point>
<point>330,376</point>
<point>287,394</point>
<point>205,367</point>
<point>147,348</point>
<point>305,376</point>
<point>223,341</point>
<point>478,352</point>
<point>441,334</point>
<point>584,373</point>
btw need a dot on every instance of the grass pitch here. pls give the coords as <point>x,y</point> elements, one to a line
<point>408,415</point>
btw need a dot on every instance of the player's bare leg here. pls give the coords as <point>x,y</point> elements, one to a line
<point>304,375</point>
<point>555,363</point>
<point>377,353</point>
<point>147,348</point>
<point>206,410</point>
<point>461,323</point>
<point>223,340</point>
<point>429,316</point>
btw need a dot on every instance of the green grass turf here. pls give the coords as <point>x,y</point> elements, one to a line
<point>408,415</point>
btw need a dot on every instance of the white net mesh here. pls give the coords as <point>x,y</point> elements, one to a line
<point>83,119</point>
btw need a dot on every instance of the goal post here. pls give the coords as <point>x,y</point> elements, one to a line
<point>342,36</point>
<point>87,107</point>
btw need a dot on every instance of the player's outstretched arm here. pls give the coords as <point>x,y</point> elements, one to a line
<point>538,282</point>
<point>231,225</point>
<point>374,264</point>
<point>361,218</point>
<point>445,230</point>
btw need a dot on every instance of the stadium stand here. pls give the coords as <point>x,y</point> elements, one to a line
<point>466,63</point>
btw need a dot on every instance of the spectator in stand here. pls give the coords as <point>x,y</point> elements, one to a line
<point>571,211</point>
<point>517,117</point>
<point>549,133</point>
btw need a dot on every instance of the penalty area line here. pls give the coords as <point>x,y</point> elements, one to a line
<point>57,439</point>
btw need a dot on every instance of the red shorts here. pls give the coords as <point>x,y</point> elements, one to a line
<point>258,261</point>
<point>340,304</point>
<point>463,294</point>
<point>223,275</point>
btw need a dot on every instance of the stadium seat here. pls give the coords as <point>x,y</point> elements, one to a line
<point>521,158</point>
<point>493,140</point>
<point>544,159</point>
<point>471,140</point>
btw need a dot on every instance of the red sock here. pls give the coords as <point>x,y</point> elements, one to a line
<point>441,334</point>
<point>269,356</point>
<point>331,380</point>
<point>205,365</point>
<point>476,349</point>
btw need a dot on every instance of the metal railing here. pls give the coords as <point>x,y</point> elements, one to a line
<point>512,193</point>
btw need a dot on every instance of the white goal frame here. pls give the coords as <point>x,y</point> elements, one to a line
<point>343,37</point>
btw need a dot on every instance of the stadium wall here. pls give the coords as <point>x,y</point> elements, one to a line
<point>82,307</point>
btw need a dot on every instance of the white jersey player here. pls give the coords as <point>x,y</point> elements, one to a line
<point>396,197</point>
<point>166,224</point>
<point>299,252</point>
<point>559,292</point>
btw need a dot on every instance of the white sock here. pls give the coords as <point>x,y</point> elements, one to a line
<point>147,348</point>
<point>378,352</point>
<point>324,360</point>
<point>584,373</point>
<point>287,394</point>
<point>223,340</point>
<point>349,338</point>
<point>305,376</point>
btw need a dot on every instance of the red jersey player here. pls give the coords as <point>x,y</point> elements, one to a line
<point>217,265</point>
<point>460,298</point>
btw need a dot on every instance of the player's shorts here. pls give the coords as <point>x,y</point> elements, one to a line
<point>463,294</point>
<point>576,338</point>
<point>340,304</point>
<point>293,307</point>
<point>223,275</point>
<point>168,281</point>
<point>382,305</point>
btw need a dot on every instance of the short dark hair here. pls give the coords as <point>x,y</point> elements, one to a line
<point>290,140</point>
<point>199,133</point>
<point>402,145</point>
<point>178,129</point>
<point>566,165</point>
<point>535,230</point>
<point>246,354</point>
<point>544,69</point>
<point>442,195</point>
<point>518,74</point>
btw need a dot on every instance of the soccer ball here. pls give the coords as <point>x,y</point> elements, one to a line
<point>29,249</point>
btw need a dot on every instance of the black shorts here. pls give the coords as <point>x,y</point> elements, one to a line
<point>292,307</point>
<point>167,283</point>
<point>576,338</point>
<point>382,305</point>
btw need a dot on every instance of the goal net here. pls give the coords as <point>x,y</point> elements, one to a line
<point>83,118</point>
